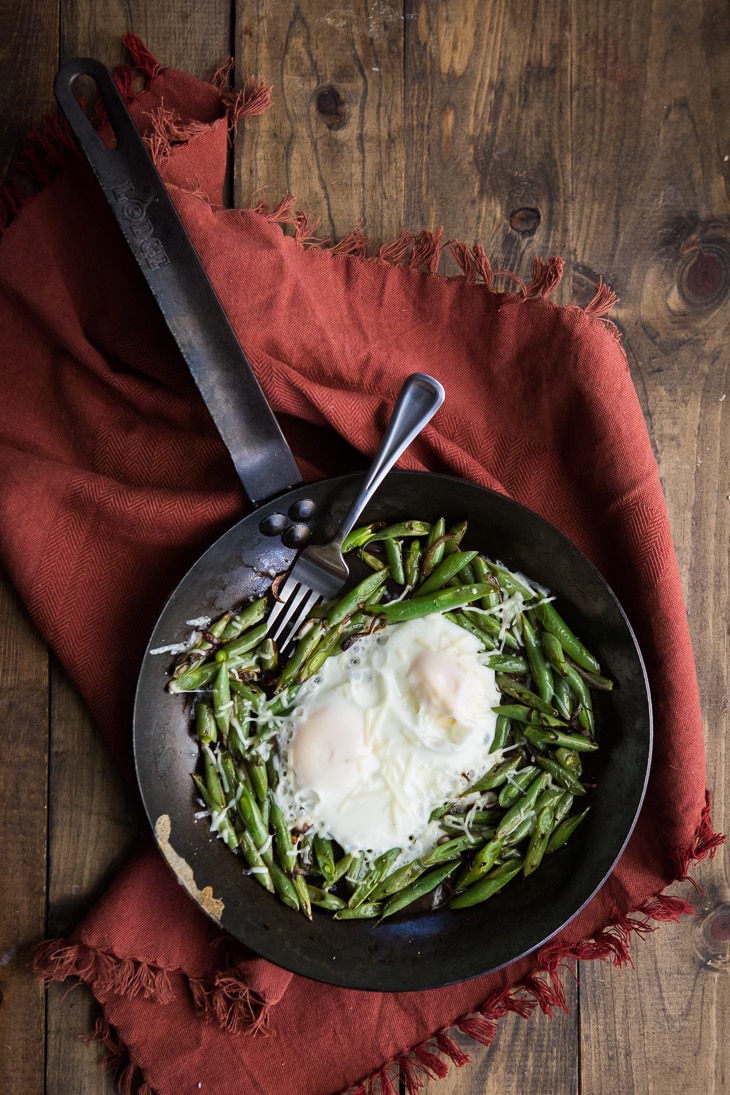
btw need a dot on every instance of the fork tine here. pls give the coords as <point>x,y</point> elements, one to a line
<point>282,602</point>
<point>296,611</point>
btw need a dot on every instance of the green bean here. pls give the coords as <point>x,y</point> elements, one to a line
<point>450,849</point>
<point>342,866</point>
<point>303,896</point>
<point>366,911</point>
<point>539,668</point>
<point>538,841</point>
<point>463,621</point>
<point>324,856</point>
<point>398,880</point>
<point>220,822</point>
<point>359,536</point>
<point>509,581</point>
<point>412,557</point>
<point>488,886</point>
<point>524,714</point>
<point>259,871</point>
<point>507,663</point>
<point>249,693</point>
<point>241,645</point>
<point>356,597</point>
<point>267,656</point>
<point>374,562</point>
<point>250,813</point>
<point>498,775</point>
<point>455,535</point>
<point>206,642</point>
<point>399,531</point>
<point>482,573</point>
<point>193,679</point>
<point>510,687</point>
<point>284,886</point>
<point>283,842</point>
<point>434,552</point>
<point>306,644</point>
<point>544,735</point>
<point>246,617</point>
<point>580,688</point>
<point>518,834</point>
<point>563,806</point>
<point>480,826</point>
<point>553,622</point>
<point>482,863</point>
<point>259,775</point>
<point>561,775</point>
<point>205,726</point>
<point>370,880</point>
<point>570,759</point>
<point>324,649</point>
<point>501,733</point>
<point>417,607</point>
<point>516,785</point>
<point>394,558</point>
<point>488,622</point>
<point>595,680</point>
<point>564,831</point>
<point>523,806</point>
<point>448,568</point>
<point>423,885</point>
<point>562,696</point>
<point>553,651</point>
<point>324,899</point>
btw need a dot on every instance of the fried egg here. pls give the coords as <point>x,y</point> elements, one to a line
<point>389,729</point>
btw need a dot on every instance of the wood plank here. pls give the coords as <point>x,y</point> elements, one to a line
<point>30,42</point>
<point>523,1050</point>
<point>194,37</point>
<point>334,136</point>
<point>95,822</point>
<point>650,139</point>
<point>485,164</point>
<point>23,814</point>
<point>488,129</point>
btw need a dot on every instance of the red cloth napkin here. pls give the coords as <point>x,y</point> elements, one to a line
<point>113,479</point>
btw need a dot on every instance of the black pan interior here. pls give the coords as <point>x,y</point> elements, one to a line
<point>421,951</point>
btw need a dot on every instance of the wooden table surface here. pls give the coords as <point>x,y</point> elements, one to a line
<point>599,131</point>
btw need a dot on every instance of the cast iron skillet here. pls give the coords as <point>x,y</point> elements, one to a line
<point>411,952</point>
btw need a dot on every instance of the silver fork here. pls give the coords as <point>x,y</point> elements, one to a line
<point>319,572</point>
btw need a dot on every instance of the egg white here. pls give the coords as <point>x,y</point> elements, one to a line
<point>388,730</point>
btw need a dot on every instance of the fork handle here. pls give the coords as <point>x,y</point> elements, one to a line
<point>419,399</point>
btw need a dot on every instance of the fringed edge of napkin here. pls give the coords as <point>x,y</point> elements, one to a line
<point>225,999</point>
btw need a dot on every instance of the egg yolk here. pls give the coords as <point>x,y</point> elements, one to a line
<point>441,682</point>
<point>328,749</point>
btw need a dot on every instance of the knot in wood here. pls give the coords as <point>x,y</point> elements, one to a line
<point>525,220</point>
<point>704,275</point>
<point>331,107</point>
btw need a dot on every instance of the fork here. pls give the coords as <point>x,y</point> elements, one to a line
<point>320,571</point>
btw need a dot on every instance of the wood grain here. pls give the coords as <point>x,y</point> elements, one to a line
<point>600,132</point>
<point>95,821</point>
<point>23,839</point>
<point>649,140</point>
<point>488,150</point>
<point>334,136</point>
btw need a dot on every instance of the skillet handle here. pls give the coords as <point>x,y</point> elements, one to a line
<point>159,242</point>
